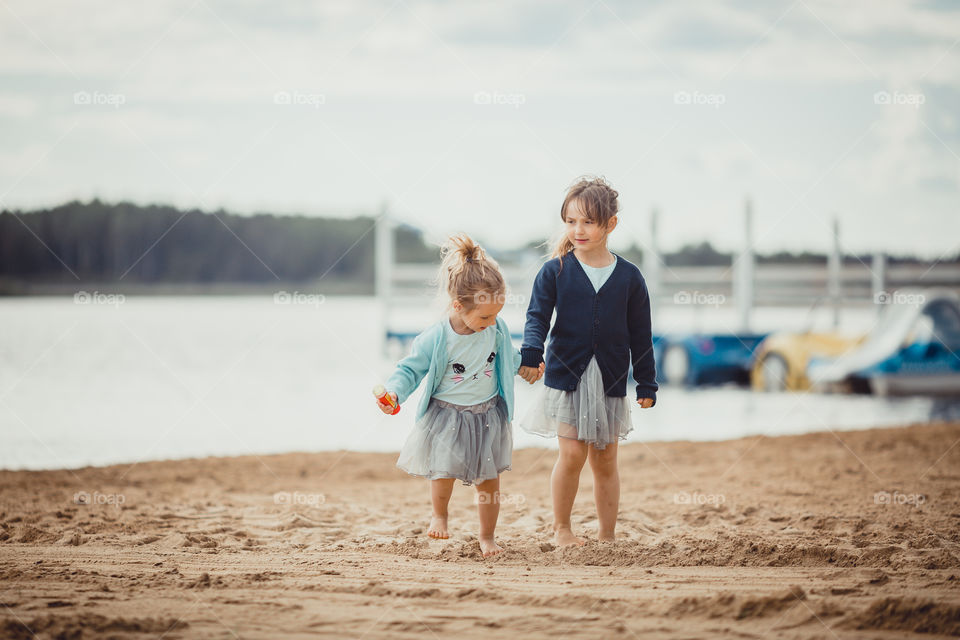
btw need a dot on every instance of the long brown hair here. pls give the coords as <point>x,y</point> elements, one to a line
<point>596,199</point>
<point>468,274</point>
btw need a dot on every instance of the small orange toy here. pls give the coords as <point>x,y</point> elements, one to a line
<point>385,399</point>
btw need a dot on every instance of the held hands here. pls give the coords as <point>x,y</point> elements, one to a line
<point>531,374</point>
<point>645,403</point>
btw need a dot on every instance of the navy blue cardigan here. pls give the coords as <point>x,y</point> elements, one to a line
<point>613,324</point>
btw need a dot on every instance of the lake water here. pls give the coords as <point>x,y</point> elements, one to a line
<point>147,378</point>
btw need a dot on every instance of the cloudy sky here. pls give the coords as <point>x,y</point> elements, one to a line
<point>476,116</point>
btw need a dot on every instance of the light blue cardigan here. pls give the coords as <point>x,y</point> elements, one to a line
<point>428,358</point>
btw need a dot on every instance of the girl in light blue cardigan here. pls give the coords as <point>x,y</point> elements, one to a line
<point>463,430</point>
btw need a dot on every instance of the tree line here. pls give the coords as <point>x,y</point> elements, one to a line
<point>125,242</point>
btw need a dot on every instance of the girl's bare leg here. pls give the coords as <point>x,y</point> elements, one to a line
<point>440,492</point>
<point>564,483</point>
<point>488,508</point>
<point>606,488</point>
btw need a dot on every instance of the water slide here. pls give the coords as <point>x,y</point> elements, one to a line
<point>910,317</point>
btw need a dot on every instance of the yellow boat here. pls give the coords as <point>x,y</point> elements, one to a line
<point>780,362</point>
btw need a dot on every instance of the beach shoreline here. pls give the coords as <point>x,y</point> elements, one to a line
<point>850,534</point>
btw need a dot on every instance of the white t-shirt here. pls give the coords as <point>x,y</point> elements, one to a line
<point>599,275</point>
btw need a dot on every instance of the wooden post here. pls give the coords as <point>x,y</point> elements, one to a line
<point>651,263</point>
<point>743,283</point>
<point>834,266</point>
<point>383,268</point>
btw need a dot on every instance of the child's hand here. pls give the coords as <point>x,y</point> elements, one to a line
<point>645,403</point>
<point>531,374</point>
<point>387,409</point>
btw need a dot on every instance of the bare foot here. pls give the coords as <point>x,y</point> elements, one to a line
<point>438,528</point>
<point>489,547</point>
<point>607,537</point>
<point>564,537</point>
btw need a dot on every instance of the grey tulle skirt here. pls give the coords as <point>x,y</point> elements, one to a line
<point>586,414</point>
<point>471,444</point>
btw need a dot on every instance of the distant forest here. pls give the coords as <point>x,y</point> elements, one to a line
<point>131,245</point>
<point>134,245</point>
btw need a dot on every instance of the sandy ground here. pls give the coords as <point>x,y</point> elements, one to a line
<point>826,535</point>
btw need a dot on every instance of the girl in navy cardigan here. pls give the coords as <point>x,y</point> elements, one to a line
<point>602,326</point>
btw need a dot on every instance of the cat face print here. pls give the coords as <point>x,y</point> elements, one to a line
<point>459,370</point>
